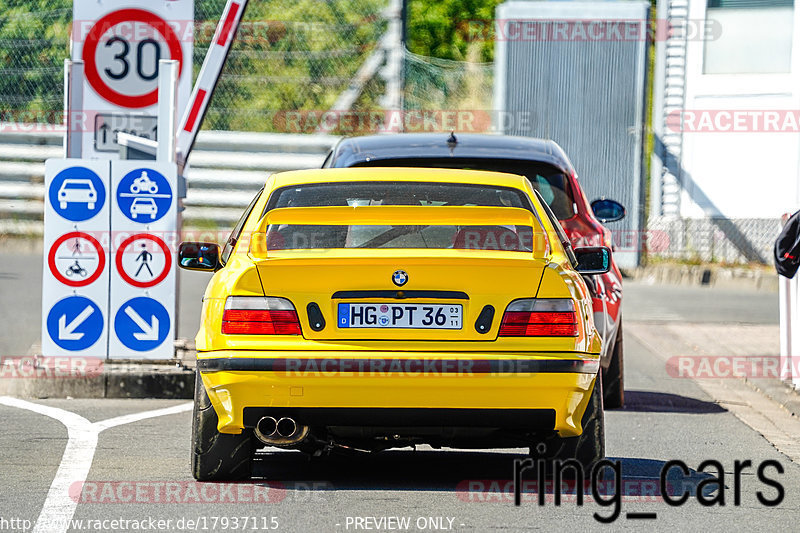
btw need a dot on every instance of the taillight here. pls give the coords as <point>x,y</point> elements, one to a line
<point>540,318</point>
<point>259,315</point>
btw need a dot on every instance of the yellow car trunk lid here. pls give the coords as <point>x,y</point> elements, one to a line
<point>443,291</point>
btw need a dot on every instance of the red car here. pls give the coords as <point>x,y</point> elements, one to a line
<point>550,172</point>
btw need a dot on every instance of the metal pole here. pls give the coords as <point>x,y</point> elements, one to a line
<point>74,116</point>
<point>167,135</point>
<point>167,109</point>
<point>392,100</point>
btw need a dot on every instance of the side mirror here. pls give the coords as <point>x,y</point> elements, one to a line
<point>203,256</point>
<point>593,259</point>
<point>607,210</point>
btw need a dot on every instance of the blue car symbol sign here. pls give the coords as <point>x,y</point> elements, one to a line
<point>77,194</point>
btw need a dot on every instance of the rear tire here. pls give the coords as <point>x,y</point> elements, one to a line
<point>216,456</point>
<point>614,375</point>
<point>590,446</point>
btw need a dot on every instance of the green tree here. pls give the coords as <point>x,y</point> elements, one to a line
<point>447,29</point>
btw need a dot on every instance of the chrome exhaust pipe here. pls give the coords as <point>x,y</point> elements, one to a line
<point>286,427</point>
<point>282,432</point>
<point>266,428</point>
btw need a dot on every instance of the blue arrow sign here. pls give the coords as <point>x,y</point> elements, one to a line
<point>75,323</point>
<point>144,195</point>
<point>142,324</point>
<point>77,193</point>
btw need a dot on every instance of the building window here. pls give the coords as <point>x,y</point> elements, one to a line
<point>755,38</point>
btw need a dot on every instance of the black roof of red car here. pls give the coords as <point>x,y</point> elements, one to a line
<point>354,150</point>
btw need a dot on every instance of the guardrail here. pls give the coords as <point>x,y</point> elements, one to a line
<point>225,170</point>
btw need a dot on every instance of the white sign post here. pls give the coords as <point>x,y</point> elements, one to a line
<point>120,45</point>
<point>76,260</point>
<point>144,248</point>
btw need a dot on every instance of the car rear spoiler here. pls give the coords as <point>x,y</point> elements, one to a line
<point>399,216</point>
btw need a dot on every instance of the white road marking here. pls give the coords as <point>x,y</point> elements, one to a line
<point>135,417</point>
<point>76,462</point>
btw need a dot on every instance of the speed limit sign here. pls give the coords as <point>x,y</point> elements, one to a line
<point>124,68</point>
<point>120,44</point>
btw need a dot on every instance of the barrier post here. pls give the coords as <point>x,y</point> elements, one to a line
<point>74,116</point>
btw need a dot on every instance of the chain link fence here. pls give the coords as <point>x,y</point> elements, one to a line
<point>713,240</point>
<point>289,56</point>
<point>33,46</point>
<point>453,86</point>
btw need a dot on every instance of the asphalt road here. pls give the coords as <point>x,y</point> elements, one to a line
<point>138,468</point>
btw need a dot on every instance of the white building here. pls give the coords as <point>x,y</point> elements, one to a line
<point>726,118</point>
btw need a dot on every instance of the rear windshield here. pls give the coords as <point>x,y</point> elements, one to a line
<point>548,180</point>
<point>365,193</point>
<point>307,236</point>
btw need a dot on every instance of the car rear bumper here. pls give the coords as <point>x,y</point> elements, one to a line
<point>537,392</point>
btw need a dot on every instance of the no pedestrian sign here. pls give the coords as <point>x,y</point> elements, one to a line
<point>143,260</point>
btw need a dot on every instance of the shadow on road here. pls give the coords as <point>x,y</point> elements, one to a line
<point>661,402</point>
<point>472,476</point>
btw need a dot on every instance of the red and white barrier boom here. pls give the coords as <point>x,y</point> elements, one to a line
<point>207,79</point>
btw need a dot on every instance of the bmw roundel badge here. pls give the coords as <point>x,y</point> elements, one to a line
<point>400,277</point>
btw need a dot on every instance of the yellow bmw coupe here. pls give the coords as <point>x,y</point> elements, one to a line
<point>371,308</point>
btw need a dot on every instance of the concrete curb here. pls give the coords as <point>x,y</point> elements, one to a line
<point>107,385</point>
<point>114,381</point>
<point>708,275</point>
<point>780,392</point>
<point>73,377</point>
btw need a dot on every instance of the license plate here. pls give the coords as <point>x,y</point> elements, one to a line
<point>401,316</point>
